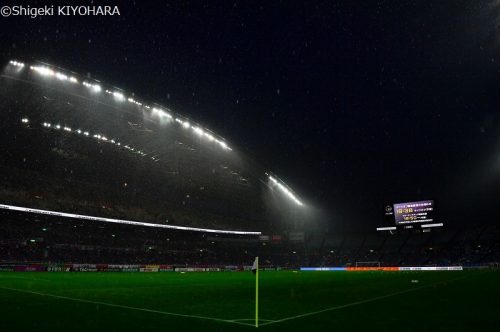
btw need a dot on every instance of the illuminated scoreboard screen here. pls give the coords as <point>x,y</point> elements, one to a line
<point>414,212</point>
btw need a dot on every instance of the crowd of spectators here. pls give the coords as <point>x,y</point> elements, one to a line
<point>30,238</point>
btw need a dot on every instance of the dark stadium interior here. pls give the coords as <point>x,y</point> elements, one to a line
<point>281,165</point>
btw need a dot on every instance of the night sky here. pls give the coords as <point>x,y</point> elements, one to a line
<point>353,105</point>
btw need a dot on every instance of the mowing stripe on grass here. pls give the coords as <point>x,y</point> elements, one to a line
<point>373,299</point>
<point>25,278</point>
<point>126,307</point>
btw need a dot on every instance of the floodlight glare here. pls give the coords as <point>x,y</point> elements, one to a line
<point>16,63</point>
<point>198,130</point>
<point>119,96</point>
<point>285,190</point>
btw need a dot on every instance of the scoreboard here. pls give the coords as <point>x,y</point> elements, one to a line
<point>414,212</point>
<point>418,216</point>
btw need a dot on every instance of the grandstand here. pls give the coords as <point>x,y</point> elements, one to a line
<point>86,148</point>
<point>27,239</point>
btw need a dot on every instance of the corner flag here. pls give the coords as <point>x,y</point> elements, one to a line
<point>255,265</point>
<point>255,270</point>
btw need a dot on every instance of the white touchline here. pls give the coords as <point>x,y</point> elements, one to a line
<point>124,306</point>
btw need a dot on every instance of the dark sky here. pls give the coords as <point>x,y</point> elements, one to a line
<point>353,105</point>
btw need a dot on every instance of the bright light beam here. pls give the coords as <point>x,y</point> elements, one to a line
<point>121,221</point>
<point>285,190</point>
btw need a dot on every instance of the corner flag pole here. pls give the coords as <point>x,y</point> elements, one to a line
<point>257,292</point>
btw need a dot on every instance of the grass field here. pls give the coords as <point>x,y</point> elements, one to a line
<point>224,301</point>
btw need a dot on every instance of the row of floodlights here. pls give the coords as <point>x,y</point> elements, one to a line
<point>17,64</point>
<point>202,133</point>
<point>119,96</point>
<point>285,190</point>
<point>94,87</point>
<point>44,71</point>
<point>99,137</point>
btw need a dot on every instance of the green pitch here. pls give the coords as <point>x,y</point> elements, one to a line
<point>224,301</point>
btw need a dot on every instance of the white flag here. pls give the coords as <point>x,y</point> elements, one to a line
<point>255,265</point>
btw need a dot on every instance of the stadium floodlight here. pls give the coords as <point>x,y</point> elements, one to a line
<point>285,190</point>
<point>198,131</point>
<point>223,145</point>
<point>16,63</point>
<point>122,221</point>
<point>119,95</point>
<point>61,77</point>
<point>162,113</point>
<point>93,87</point>
<point>133,101</point>
<point>209,136</point>
<point>86,133</point>
<point>44,71</point>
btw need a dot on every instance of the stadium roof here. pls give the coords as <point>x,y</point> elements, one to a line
<point>113,150</point>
